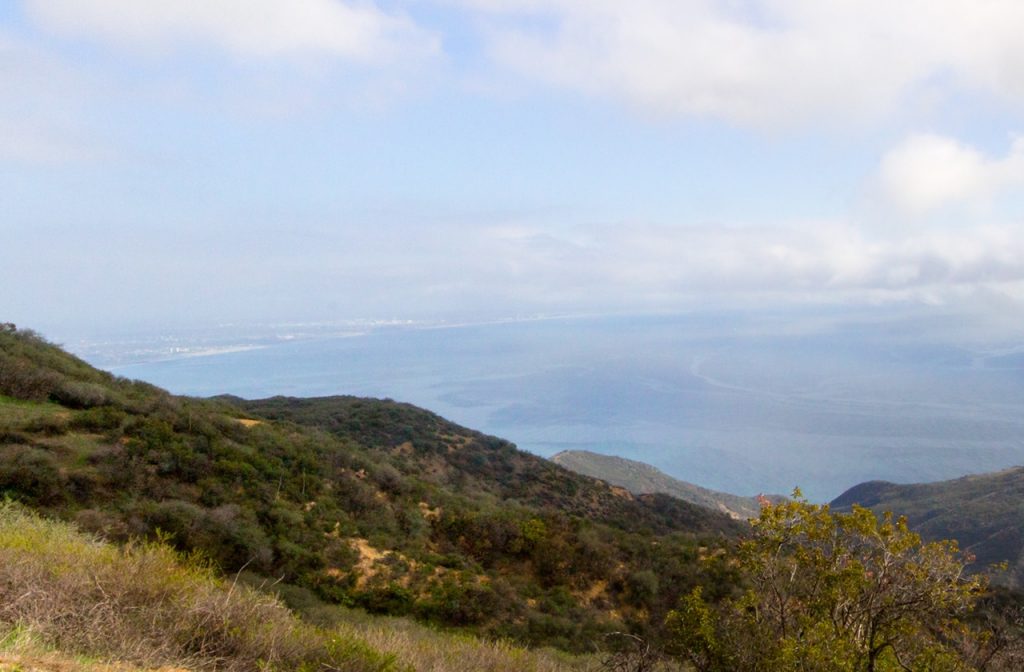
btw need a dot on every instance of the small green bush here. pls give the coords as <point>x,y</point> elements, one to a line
<point>76,394</point>
<point>30,475</point>
<point>47,425</point>
<point>99,419</point>
<point>20,379</point>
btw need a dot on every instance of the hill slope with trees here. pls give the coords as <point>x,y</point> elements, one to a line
<point>360,502</point>
<point>983,512</point>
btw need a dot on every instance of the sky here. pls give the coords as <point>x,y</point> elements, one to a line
<point>178,164</point>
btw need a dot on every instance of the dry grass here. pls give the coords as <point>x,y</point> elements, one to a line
<point>23,651</point>
<point>423,649</point>
<point>142,604</point>
<point>426,650</point>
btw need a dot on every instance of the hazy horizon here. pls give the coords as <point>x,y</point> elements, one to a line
<point>737,401</point>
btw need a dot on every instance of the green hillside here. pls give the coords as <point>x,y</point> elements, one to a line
<point>423,444</point>
<point>365,503</point>
<point>984,513</point>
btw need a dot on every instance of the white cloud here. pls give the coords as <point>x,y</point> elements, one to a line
<point>663,267</point>
<point>392,269</point>
<point>266,28</point>
<point>926,172</point>
<point>763,62</point>
<point>524,266</point>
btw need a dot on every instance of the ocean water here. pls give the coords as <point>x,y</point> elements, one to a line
<point>719,400</point>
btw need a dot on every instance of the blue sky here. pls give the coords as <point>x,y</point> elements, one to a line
<point>196,162</point>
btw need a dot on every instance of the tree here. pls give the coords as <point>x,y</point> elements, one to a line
<point>833,592</point>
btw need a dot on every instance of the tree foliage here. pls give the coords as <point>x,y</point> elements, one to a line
<point>834,591</point>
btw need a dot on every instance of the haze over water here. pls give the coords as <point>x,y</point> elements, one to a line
<point>729,402</point>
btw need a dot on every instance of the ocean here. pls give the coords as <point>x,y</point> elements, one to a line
<point>722,400</point>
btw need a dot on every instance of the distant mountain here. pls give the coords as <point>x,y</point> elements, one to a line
<point>984,513</point>
<point>640,478</point>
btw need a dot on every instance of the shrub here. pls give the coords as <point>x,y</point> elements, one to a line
<point>641,586</point>
<point>21,379</point>
<point>455,600</point>
<point>75,394</point>
<point>390,598</point>
<point>99,419</point>
<point>49,425</point>
<point>228,535</point>
<point>30,475</point>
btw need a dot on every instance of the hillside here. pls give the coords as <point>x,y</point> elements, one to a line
<point>984,513</point>
<point>447,455</point>
<point>641,478</point>
<point>71,603</point>
<point>361,502</point>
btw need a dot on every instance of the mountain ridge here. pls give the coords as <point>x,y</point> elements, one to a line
<point>642,478</point>
<point>983,512</point>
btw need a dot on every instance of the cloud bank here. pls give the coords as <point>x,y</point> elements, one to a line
<point>395,271</point>
<point>763,62</point>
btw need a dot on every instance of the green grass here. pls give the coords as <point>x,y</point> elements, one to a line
<point>75,447</point>
<point>16,412</point>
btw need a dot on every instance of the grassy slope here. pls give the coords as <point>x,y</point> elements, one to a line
<point>638,477</point>
<point>984,513</point>
<point>362,502</point>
